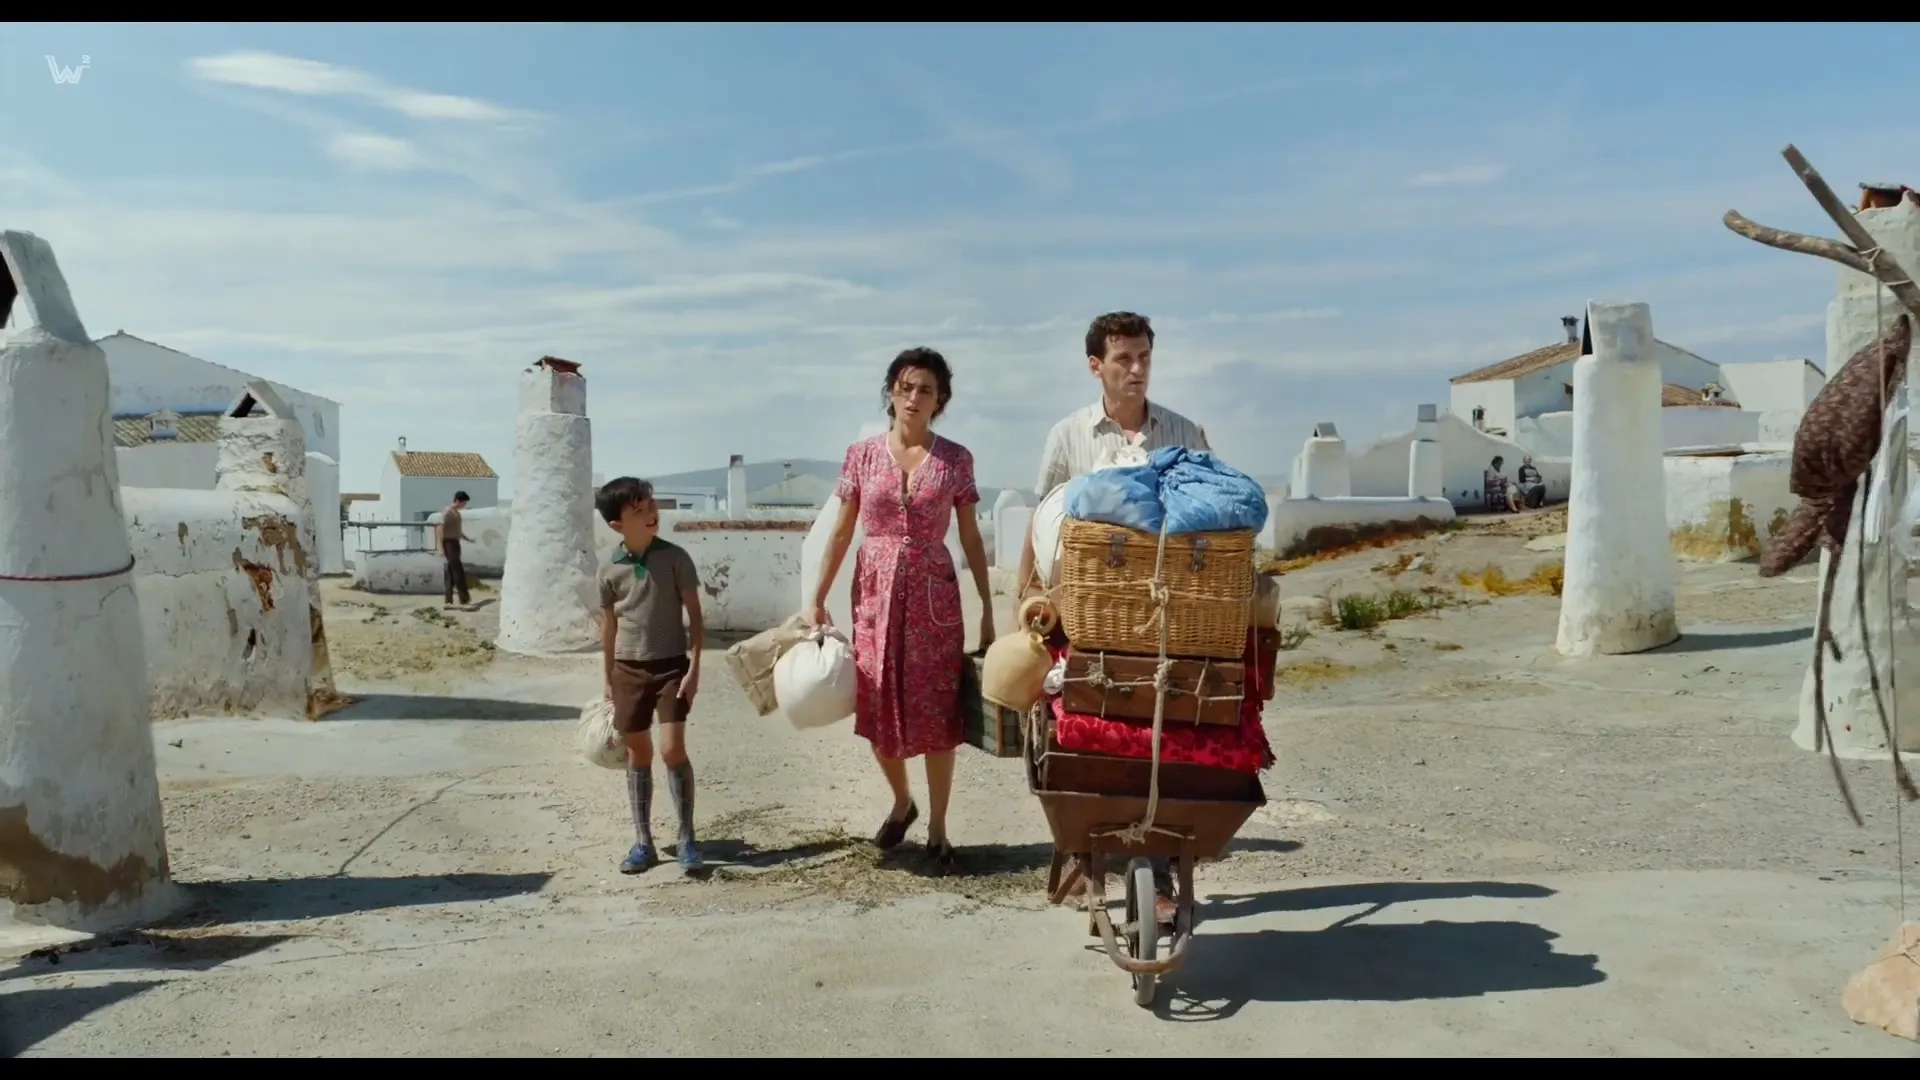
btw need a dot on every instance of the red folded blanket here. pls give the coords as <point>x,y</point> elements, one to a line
<point>1242,748</point>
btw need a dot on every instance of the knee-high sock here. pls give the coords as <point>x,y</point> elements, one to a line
<point>640,801</point>
<point>680,784</point>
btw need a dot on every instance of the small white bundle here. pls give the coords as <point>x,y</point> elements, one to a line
<point>815,682</point>
<point>598,742</point>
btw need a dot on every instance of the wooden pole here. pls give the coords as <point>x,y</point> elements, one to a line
<point>1880,264</point>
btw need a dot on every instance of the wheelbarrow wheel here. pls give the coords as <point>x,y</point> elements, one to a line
<point>1143,928</point>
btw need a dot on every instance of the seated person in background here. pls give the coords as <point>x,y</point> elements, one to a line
<point>1533,487</point>
<point>1500,496</point>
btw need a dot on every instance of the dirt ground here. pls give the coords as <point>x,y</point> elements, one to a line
<point>1471,847</point>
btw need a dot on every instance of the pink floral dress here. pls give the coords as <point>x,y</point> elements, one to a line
<point>908,634</point>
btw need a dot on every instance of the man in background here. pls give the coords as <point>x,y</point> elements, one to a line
<point>1120,356</point>
<point>447,536</point>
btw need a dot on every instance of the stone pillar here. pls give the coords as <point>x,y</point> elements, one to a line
<point>1853,323</point>
<point>82,843</point>
<point>548,596</point>
<point>1426,472</point>
<point>1618,592</point>
<point>1323,472</point>
<point>737,486</point>
<point>263,449</point>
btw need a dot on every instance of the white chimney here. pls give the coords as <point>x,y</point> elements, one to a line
<point>1571,323</point>
<point>736,485</point>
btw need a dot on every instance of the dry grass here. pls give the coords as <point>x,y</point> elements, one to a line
<point>1546,580</point>
<point>834,864</point>
<point>1361,612</point>
<point>1327,543</point>
<point>1312,672</point>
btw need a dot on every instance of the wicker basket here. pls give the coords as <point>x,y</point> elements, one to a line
<point>1106,577</point>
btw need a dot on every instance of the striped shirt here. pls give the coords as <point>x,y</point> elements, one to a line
<point>1076,444</point>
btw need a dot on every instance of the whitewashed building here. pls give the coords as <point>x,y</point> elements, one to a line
<point>167,406</point>
<point>1496,398</point>
<point>417,484</point>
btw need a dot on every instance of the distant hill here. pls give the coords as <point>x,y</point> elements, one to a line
<point>762,473</point>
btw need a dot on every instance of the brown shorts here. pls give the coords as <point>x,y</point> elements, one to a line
<point>643,689</point>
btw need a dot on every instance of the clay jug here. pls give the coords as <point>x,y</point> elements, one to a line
<point>1264,614</point>
<point>1016,664</point>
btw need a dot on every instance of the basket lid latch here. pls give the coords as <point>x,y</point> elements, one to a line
<point>1117,550</point>
<point>1199,555</point>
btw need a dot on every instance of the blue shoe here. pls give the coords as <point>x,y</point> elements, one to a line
<point>690,859</point>
<point>637,860</point>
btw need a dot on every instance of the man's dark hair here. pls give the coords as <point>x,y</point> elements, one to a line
<point>921,359</point>
<point>618,494</point>
<point>1116,324</point>
<point>460,496</point>
<point>1498,461</point>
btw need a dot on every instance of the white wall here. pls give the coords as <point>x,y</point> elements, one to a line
<point>1707,425</point>
<point>1380,470</point>
<point>1546,435</point>
<point>1289,521</point>
<point>1779,390</point>
<point>1682,368</point>
<point>146,378</point>
<point>223,602</point>
<point>167,465</point>
<point>1508,401</point>
<point>1543,391</point>
<point>422,498</point>
<point>1495,396</point>
<point>1727,508</point>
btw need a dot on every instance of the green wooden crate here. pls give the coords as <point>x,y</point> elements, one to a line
<point>988,726</point>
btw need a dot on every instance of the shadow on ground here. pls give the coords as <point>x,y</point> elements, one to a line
<point>145,950</point>
<point>292,899</point>
<point>1356,961</point>
<point>430,707</point>
<point>29,1017</point>
<point>1756,639</point>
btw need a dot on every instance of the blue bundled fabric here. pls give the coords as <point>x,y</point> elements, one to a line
<point>1192,489</point>
<point>1126,495</point>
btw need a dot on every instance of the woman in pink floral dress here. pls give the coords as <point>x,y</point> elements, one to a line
<point>903,488</point>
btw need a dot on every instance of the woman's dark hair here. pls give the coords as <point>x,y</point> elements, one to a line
<point>920,359</point>
<point>1498,461</point>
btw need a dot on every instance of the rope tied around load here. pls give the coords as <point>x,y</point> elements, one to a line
<point>1138,832</point>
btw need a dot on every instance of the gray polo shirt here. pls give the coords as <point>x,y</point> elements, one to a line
<point>644,595</point>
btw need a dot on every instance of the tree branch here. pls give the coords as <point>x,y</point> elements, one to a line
<point>1818,246</point>
<point>1883,265</point>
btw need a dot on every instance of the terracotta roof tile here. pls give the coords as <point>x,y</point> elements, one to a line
<point>437,463</point>
<point>192,428</point>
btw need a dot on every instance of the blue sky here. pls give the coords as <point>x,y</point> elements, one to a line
<point>735,228</point>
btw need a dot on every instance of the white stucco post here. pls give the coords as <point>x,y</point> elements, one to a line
<point>1618,593</point>
<point>82,843</point>
<point>1426,468</point>
<point>262,448</point>
<point>737,486</point>
<point>323,489</point>
<point>548,599</point>
<point>1854,322</point>
<point>1323,471</point>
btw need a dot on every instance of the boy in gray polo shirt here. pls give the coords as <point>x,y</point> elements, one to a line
<point>651,658</point>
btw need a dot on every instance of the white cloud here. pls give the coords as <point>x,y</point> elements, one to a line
<point>292,75</point>
<point>366,150</point>
<point>1460,176</point>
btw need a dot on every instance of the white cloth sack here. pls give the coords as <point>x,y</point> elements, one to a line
<point>598,742</point>
<point>815,681</point>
